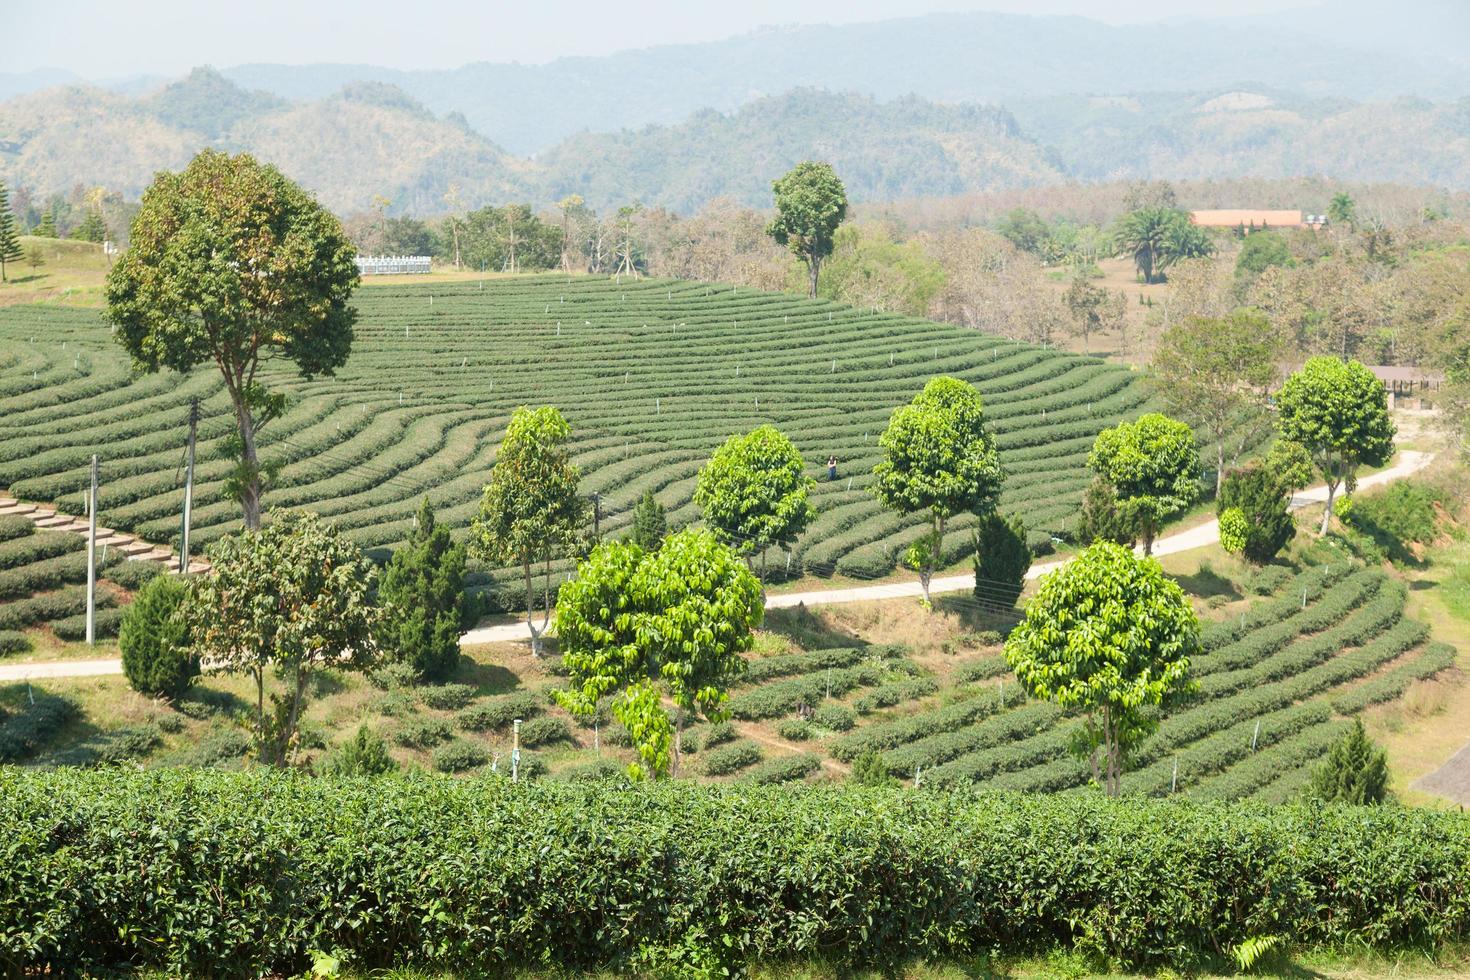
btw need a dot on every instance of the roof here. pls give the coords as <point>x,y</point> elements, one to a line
<point>1235,217</point>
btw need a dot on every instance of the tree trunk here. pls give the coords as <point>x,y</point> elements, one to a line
<point>1327,514</point>
<point>814,268</point>
<point>1149,531</point>
<point>250,486</point>
<point>1219,467</point>
<point>260,711</point>
<point>530,606</point>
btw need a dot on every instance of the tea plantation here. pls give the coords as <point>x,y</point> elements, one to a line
<point>653,376</point>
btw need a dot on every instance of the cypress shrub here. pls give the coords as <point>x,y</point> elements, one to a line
<point>1002,559</point>
<point>1355,770</point>
<point>154,642</point>
<point>423,598</point>
<point>1264,525</point>
<point>364,754</point>
<point>650,523</point>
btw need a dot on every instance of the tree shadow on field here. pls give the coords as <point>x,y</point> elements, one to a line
<point>1207,583</point>
<point>977,615</point>
<point>486,678</point>
<point>808,630</point>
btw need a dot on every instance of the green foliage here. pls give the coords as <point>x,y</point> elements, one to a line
<point>157,656</point>
<point>544,730</point>
<point>459,756</point>
<point>1261,524</point>
<point>794,730</point>
<point>1256,948</point>
<point>422,733</point>
<point>730,758</point>
<point>1153,466</point>
<point>1355,770</point>
<point>1290,463</point>
<point>530,509</point>
<point>393,676</point>
<point>1099,519</point>
<point>1338,412</point>
<point>447,697</point>
<point>1260,251</point>
<point>834,717</point>
<point>632,625</point>
<point>1342,209</point>
<point>784,769</point>
<point>871,873</point>
<point>868,769</point>
<point>13,641</point>
<point>753,492</point>
<point>134,575</point>
<point>810,204</point>
<point>364,754</point>
<point>10,250</point>
<point>30,724</point>
<point>1234,529</point>
<point>294,597</point>
<point>230,262</point>
<point>1002,559</point>
<point>1402,513</point>
<point>1106,636</point>
<point>869,270</point>
<point>422,595</point>
<point>91,229</point>
<point>650,523</point>
<point>497,713</point>
<point>1158,237</point>
<point>938,457</point>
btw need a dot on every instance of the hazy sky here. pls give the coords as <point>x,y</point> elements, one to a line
<point>110,38</point>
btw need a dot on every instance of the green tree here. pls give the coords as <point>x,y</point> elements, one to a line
<point>638,627</point>
<point>10,250</point>
<point>1218,372</point>
<point>1355,770</point>
<point>157,658</point>
<point>231,263</point>
<point>293,596</point>
<point>423,599</point>
<point>1099,519</point>
<point>47,227</point>
<point>35,258</point>
<point>1002,559</point>
<point>364,754</point>
<point>1260,252</point>
<point>1153,466</point>
<point>1338,412</point>
<point>530,512</point>
<point>1157,237</point>
<point>868,770</point>
<point>1261,499</point>
<point>754,493</point>
<point>1026,230</point>
<point>650,523</point>
<point>91,229</point>
<point>1089,306</point>
<point>810,204</point>
<point>1108,636</point>
<point>868,268</point>
<point>1343,210</point>
<point>938,458</point>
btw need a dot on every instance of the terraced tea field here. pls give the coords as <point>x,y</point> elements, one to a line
<point>653,376</point>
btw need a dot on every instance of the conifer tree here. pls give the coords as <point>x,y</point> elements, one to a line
<point>1355,770</point>
<point>423,598</point>
<point>650,523</point>
<point>10,250</point>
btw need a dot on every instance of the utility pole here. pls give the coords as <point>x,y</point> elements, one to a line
<point>188,487</point>
<point>515,751</point>
<point>92,557</point>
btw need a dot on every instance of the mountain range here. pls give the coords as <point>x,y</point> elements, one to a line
<point>925,106</point>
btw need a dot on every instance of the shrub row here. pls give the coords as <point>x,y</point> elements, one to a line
<point>496,713</point>
<point>782,696</point>
<point>244,874</point>
<point>730,758</point>
<point>888,695</point>
<point>790,664</point>
<point>899,731</point>
<point>32,724</point>
<point>13,641</point>
<point>784,769</point>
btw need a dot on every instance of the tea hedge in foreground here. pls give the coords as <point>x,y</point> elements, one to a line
<point>213,873</point>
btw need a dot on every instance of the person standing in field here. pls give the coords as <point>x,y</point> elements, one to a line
<point>831,468</point>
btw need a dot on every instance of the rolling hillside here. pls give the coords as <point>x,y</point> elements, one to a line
<point>652,375</point>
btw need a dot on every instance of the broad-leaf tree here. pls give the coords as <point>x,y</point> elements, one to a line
<point>938,459</point>
<point>1338,412</point>
<point>232,264</point>
<point>10,250</point>
<point>530,512</point>
<point>1153,467</point>
<point>423,599</point>
<point>810,204</point>
<point>641,627</point>
<point>754,493</point>
<point>1219,372</point>
<point>1107,637</point>
<point>294,597</point>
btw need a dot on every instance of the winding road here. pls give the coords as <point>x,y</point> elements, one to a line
<point>1409,462</point>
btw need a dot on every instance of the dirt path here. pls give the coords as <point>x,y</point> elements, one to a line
<point>1410,462</point>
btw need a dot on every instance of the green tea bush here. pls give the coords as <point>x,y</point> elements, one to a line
<point>105,623</point>
<point>461,755</point>
<point>33,723</point>
<point>497,713</point>
<point>133,575</point>
<point>794,730</point>
<point>364,754</point>
<point>544,730</point>
<point>16,526</point>
<point>730,758</point>
<point>265,867</point>
<point>834,717</point>
<point>720,733</point>
<point>447,697</point>
<point>1268,580</point>
<point>220,744</point>
<point>393,676</point>
<point>784,769</point>
<point>597,771</point>
<point>422,733</point>
<point>13,641</point>
<point>1402,513</point>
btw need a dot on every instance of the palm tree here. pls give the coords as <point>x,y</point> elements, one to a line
<point>1159,237</point>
